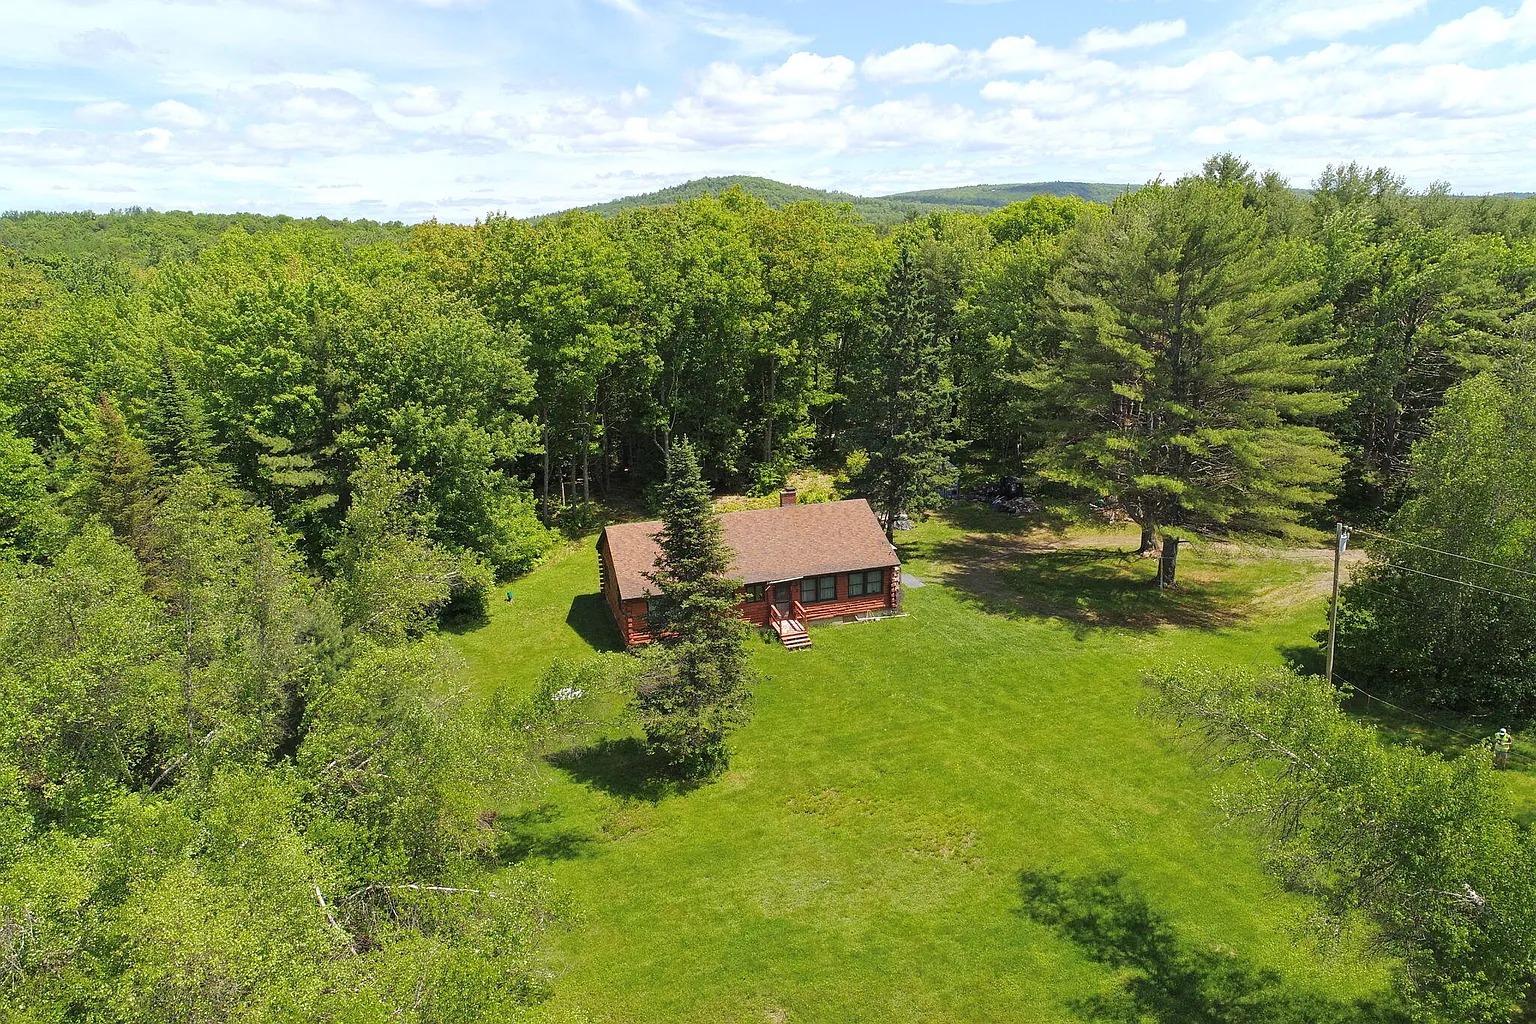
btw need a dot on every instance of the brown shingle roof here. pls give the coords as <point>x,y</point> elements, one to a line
<point>770,544</point>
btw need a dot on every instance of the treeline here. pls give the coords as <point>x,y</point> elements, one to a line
<point>566,353</point>
<point>1217,354</point>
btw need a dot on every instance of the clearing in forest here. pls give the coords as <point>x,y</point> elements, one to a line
<point>954,816</point>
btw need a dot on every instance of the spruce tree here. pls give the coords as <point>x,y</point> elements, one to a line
<point>1185,382</point>
<point>700,688</point>
<point>902,406</point>
<point>116,481</point>
<point>175,428</point>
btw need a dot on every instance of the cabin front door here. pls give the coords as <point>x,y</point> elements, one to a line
<point>783,602</point>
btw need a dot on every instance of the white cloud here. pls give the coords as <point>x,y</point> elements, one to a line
<point>156,140</point>
<point>423,101</point>
<point>935,62</point>
<point>96,45</point>
<point>920,62</point>
<point>1340,19</point>
<point>103,111</point>
<point>751,35</point>
<point>1471,34</point>
<point>177,114</point>
<point>1150,33</point>
<point>381,116</point>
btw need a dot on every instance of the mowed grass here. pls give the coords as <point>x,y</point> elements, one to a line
<point>865,858</point>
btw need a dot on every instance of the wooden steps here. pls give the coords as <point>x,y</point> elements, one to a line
<point>792,634</point>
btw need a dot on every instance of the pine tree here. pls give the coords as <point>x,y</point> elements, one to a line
<point>117,480</point>
<point>176,430</point>
<point>701,686</point>
<point>904,419</point>
<point>1182,389</point>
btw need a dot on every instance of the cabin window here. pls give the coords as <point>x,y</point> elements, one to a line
<point>754,593</point>
<point>818,588</point>
<point>862,584</point>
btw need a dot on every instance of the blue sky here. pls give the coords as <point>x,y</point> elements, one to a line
<point>453,109</point>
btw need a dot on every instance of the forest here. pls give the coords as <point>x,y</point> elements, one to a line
<point>251,467</point>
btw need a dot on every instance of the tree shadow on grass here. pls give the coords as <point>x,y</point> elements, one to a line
<point>622,768</point>
<point>1309,659</point>
<point>464,614</point>
<point>1166,978</point>
<point>537,834</point>
<point>1012,576</point>
<point>589,617</point>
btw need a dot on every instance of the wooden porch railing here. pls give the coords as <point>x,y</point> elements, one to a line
<point>796,613</point>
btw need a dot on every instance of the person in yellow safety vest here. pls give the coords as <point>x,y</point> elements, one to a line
<point>1502,743</point>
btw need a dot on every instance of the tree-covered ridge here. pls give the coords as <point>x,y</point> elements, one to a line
<point>997,196</point>
<point>147,238</point>
<point>892,209</point>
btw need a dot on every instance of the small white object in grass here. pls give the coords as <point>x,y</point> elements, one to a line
<point>568,693</point>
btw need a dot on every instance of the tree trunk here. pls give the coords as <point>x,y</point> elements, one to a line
<point>546,467</point>
<point>1151,540</point>
<point>768,396</point>
<point>607,455</point>
<point>586,457</point>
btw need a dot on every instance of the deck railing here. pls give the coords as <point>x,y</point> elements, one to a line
<point>796,613</point>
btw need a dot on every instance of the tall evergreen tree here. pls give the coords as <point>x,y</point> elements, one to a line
<point>175,428</point>
<point>117,479</point>
<point>700,688</point>
<point>902,415</point>
<point>1182,389</point>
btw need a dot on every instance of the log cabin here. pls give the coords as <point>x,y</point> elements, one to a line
<point>797,563</point>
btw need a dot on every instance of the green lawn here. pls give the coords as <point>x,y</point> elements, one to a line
<point>905,783</point>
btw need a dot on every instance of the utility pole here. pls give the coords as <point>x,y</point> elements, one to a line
<point>1341,540</point>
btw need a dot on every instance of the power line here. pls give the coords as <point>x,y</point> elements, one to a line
<point>1478,740</point>
<point>1438,551</point>
<point>1463,583</point>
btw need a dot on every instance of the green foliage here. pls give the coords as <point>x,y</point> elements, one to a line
<point>576,701</point>
<point>1412,293</point>
<point>212,808</point>
<point>1471,494</point>
<point>902,417</point>
<point>30,523</point>
<point>176,431</point>
<point>1183,387</point>
<point>386,756</point>
<point>115,482</point>
<point>148,238</point>
<point>393,579</point>
<point>697,685</point>
<point>254,634</point>
<point>1427,852</point>
<point>309,355</point>
<point>88,685</point>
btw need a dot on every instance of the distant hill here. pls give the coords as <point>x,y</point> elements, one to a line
<point>993,197</point>
<point>879,209</point>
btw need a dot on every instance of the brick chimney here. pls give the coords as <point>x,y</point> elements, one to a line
<point>786,497</point>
